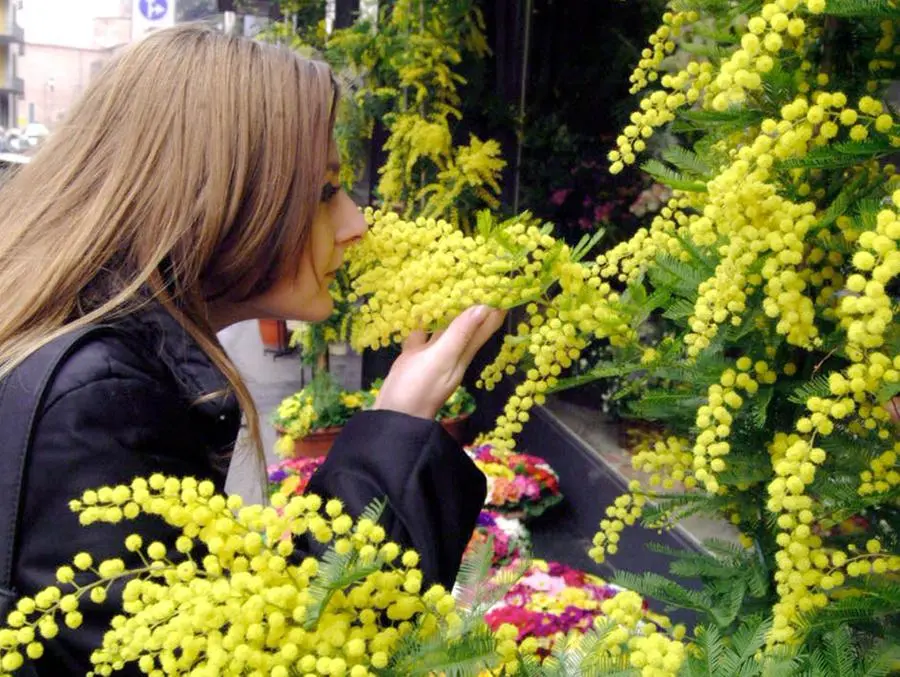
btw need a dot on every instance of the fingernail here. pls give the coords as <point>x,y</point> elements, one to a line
<point>481,312</point>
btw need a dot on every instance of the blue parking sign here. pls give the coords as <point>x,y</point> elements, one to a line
<point>153,10</point>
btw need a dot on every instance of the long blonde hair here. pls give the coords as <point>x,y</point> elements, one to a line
<point>189,172</point>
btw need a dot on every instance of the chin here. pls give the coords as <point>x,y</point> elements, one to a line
<point>319,311</point>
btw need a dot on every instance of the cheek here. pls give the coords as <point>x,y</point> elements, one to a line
<point>321,244</point>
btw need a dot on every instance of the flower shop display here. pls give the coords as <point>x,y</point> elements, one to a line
<point>310,420</point>
<point>509,538</point>
<point>291,476</point>
<point>519,485</point>
<point>776,258</point>
<point>776,261</point>
<point>551,600</point>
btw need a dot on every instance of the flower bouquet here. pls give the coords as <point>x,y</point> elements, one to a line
<point>229,597</point>
<point>291,476</point>
<point>551,600</point>
<point>520,485</point>
<point>510,537</point>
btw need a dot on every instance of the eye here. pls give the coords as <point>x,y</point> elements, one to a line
<point>329,190</point>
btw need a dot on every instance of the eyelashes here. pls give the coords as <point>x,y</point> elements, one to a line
<point>329,190</point>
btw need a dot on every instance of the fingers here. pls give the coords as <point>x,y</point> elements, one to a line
<point>415,340</point>
<point>493,322</point>
<point>454,343</point>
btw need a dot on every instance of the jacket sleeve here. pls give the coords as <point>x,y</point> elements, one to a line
<point>103,432</point>
<point>433,491</point>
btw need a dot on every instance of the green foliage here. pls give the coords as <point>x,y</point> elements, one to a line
<point>863,8</point>
<point>874,602</point>
<point>687,161</point>
<point>338,572</point>
<point>403,71</point>
<point>672,178</point>
<point>444,654</point>
<point>840,155</point>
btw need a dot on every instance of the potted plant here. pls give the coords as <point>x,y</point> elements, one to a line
<point>311,419</point>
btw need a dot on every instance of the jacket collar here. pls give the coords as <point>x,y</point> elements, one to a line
<point>194,373</point>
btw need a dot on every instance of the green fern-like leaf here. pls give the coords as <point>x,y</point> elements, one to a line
<point>464,656</point>
<point>338,572</point>
<point>598,371</point>
<point>586,244</point>
<point>662,589</point>
<point>880,661</point>
<point>680,309</point>
<point>840,155</point>
<point>815,387</point>
<point>672,508</point>
<point>723,561</point>
<point>781,662</point>
<point>476,592</point>
<point>687,161</point>
<point>777,85</point>
<point>858,9</point>
<point>723,122</point>
<point>842,203</point>
<point>837,652</point>
<point>473,571</point>
<point>867,213</point>
<point>744,469</point>
<point>610,667</point>
<point>745,642</point>
<point>671,178</point>
<point>877,600</point>
<point>710,652</point>
<point>681,278</point>
<point>851,449</point>
<point>664,406</point>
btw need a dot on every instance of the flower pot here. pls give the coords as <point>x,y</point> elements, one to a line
<point>457,427</point>
<point>274,335</point>
<point>317,443</point>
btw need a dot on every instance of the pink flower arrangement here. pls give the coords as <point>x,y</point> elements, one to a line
<point>510,537</point>
<point>518,484</point>
<point>549,601</point>
<point>291,475</point>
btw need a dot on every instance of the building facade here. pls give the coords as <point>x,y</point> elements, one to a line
<point>67,44</point>
<point>12,86</point>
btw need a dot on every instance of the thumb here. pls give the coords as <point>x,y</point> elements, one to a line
<point>452,344</point>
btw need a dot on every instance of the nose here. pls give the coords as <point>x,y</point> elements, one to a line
<point>351,222</point>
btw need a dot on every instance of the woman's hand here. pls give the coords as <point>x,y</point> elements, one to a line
<point>430,369</point>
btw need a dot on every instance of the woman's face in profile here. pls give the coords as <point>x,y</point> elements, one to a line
<point>338,223</point>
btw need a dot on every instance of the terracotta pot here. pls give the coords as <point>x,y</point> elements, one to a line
<point>457,427</point>
<point>274,335</point>
<point>317,443</point>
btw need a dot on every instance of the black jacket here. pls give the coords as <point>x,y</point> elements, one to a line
<point>124,405</point>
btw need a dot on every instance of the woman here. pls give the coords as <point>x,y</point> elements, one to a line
<point>196,185</point>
